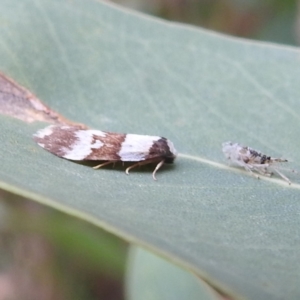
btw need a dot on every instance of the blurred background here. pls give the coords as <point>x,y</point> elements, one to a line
<point>49,255</point>
<point>269,20</point>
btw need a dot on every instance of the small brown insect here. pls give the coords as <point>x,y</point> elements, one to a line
<point>253,160</point>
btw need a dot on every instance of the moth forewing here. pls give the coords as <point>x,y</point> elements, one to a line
<point>79,144</point>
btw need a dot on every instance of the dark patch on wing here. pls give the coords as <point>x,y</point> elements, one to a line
<point>254,153</point>
<point>255,157</point>
<point>160,150</point>
<point>60,141</point>
<point>112,144</point>
<point>265,159</point>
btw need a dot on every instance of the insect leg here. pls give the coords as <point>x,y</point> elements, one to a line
<point>104,164</point>
<point>158,166</point>
<point>145,162</point>
<point>282,176</point>
<point>247,168</point>
<point>262,169</point>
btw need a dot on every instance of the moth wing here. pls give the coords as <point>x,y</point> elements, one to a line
<point>75,143</point>
<point>139,147</point>
<point>106,146</point>
<point>79,144</point>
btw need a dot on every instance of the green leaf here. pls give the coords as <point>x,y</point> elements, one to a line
<point>151,277</point>
<point>117,70</point>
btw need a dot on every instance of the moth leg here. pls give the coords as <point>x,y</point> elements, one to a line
<point>145,162</point>
<point>104,164</point>
<point>131,167</point>
<point>158,166</point>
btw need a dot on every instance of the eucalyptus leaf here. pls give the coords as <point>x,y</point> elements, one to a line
<point>150,277</point>
<point>120,71</point>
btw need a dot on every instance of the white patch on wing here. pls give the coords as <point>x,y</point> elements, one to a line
<point>83,146</point>
<point>44,132</point>
<point>136,147</point>
<point>98,144</point>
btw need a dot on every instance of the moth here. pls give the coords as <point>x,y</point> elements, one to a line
<point>76,143</point>
<point>253,160</point>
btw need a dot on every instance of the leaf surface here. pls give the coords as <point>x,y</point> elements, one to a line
<point>120,71</point>
<point>150,277</point>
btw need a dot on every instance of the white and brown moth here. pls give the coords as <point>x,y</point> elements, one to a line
<point>253,160</point>
<point>79,144</point>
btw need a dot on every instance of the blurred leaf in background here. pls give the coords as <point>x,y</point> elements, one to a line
<point>50,255</point>
<point>269,20</point>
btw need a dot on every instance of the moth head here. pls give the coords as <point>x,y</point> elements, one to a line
<point>171,154</point>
